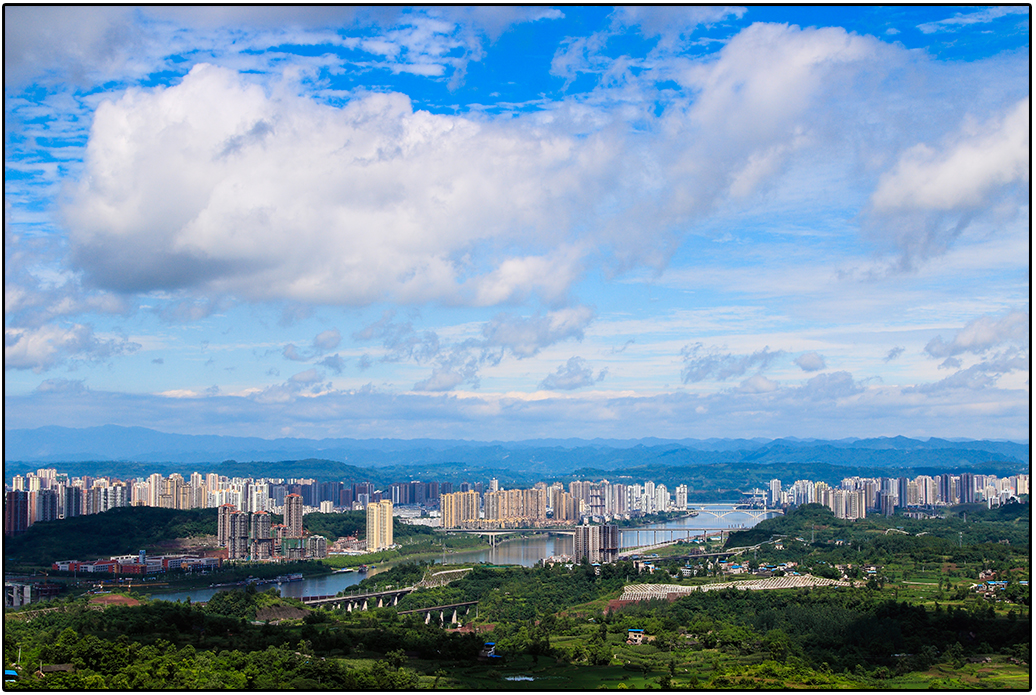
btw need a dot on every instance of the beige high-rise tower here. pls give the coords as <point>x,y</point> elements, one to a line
<point>293,515</point>
<point>379,525</point>
<point>459,509</point>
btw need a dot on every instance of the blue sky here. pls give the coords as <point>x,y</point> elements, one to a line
<point>506,223</point>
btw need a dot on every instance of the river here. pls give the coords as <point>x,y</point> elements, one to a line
<point>529,551</point>
<point>324,585</point>
<point>522,551</point>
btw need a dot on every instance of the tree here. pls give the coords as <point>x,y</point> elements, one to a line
<point>396,659</point>
<point>955,654</point>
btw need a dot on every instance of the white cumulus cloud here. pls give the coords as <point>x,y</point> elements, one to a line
<point>44,347</point>
<point>981,334</point>
<point>934,192</point>
<point>964,174</point>
<point>215,184</point>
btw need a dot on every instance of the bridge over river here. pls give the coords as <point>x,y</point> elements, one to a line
<point>757,514</point>
<point>377,599</point>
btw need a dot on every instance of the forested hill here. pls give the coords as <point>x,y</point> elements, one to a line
<point>971,526</point>
<point>127,530</point>
<point>119,531</point>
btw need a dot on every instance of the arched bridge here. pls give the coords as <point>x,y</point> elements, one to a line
<point>389,597</point>
<point>377,599</point>
<point>754,513</point>
<point>442,611</point>
<point>380,599</point>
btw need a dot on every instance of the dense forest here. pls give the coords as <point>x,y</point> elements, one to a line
<point>545,619</point>
<point>118,531</point>
<point>964,525</point>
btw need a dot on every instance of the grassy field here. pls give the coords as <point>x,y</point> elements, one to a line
<point>999,675</point>
<point>525,672</point>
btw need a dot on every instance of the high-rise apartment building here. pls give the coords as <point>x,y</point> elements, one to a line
<point>316,547</point>
<point>262,536</point>
<point>259,497</point>
<point>212,482</point>
<point>966,488</point>
<point>516,506</point>
<point>597,499</point>
<point>46,505</point>
<point>597,543</point>
<point>237,541</point>
<point>223,524</point>
<point>71,501</point>
<point>379,525</point>
<point>661,499</point>
<point>459,509</point>
<point>155,488</point>
<point>293,515</point>
<point>232,528</point>
<point>16,512</point>
<point>681,498</point>
<point>565,506</point>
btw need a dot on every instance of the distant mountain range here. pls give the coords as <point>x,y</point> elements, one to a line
<point>110,443</point>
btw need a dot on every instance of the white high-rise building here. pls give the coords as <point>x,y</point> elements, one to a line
<point>661,499</point>
<point>633,495</point>
<point>212,481</point>
<point>155,488</point>
<point>681,498</point>
<point>259,497</point>
<point>803,492</point>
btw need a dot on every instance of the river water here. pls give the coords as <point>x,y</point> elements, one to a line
<point>327,585</point>
<point>524,551</point>
<point>529,551</point>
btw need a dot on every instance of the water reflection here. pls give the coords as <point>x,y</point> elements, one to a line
<point>523,551</point>
<point>712,519</point>
<point>327,585</point>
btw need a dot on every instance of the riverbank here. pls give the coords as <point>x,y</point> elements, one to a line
<point>237,575</point>
<point>408,552</point>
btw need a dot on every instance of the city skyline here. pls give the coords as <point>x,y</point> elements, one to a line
<point>47,495</point>
<point>510,223</point>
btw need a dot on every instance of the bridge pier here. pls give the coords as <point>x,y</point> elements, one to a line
<point>380,604</point>
<point>427,617</point>
<point>349,606</point>
<point>395,599</point>
<point>454,618</point>
<point>364,605</point>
